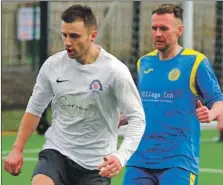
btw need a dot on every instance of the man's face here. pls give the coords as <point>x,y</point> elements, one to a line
<point>166,29</point>
<point>77,38</point>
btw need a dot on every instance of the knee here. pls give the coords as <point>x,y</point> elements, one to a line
<point>41,179</point>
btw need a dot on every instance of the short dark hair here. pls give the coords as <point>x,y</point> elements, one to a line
<point>79,12</point>
<point>170,8</point>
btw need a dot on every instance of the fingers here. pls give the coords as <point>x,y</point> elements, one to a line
<point>13,165</point>
<point>203,113</point>
<point>105,163</point>
<point>109,171</point>
<point>199,104</point>
<point>204,118</point>
<point>18,167</point>
<point>110,167</point>
<point>10,166</point>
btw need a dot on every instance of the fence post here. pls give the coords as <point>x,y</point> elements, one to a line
<point>43,124</point>
<point>135,38</point>
<point>218,63</point>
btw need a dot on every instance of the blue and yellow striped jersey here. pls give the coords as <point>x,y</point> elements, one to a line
<point>169,90</point>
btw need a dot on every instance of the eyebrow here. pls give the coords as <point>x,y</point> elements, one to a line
<point>71,34</point>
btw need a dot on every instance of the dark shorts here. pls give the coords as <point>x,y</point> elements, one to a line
<point>64,171</point>
<point>168,176</point>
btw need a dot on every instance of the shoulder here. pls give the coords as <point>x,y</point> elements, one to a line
<point>198,59</point>
<point>149,57</point>
<point>192,52</point>
<point>114,64</point>
<point>55,61</point>
<point>57,57</point>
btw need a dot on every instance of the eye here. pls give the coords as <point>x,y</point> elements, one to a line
<point>164,28</point>
<point>63,35</point>
<point>154,28</point>
<point>74,36</point>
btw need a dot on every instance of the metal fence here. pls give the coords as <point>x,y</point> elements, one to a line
<point>115,35</point>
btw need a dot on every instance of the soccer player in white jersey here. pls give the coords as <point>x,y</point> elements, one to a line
<point>89,88</point>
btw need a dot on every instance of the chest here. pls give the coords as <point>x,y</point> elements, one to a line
<point>165,75</point>
<point>75,81</point>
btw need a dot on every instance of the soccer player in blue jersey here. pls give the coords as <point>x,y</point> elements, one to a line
<point>171,80</point>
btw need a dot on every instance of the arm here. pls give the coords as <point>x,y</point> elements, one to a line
<point>14,160</point>
<point>130,105</point>
<point>205,115</point>
<point>220,122</point>
<point>27,126</point>
<point>41,96</point>
<point>210,91</point>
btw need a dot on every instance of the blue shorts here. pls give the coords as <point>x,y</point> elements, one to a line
<point>144,176</point>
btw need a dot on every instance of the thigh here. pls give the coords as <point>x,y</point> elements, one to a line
<point>53,165</point>
<point>83,176</point>
<point>176,176</point>
<point>92,177</point>
<point>138,176</point>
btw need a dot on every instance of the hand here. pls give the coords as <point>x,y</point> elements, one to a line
<point>110,167</point>
<point>203,113</point>
<point>14,162</point>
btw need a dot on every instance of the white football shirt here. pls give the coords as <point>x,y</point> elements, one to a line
<point>86,105</point>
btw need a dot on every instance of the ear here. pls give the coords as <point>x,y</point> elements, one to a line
<point>93,36</point>
<point>180,30</point>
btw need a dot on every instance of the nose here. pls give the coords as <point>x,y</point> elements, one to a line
<point>158,32</point>
<point>67,41</point>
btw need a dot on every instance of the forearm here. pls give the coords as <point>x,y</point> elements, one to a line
<point>28,125</point>
<point>131,140</point>
<point>217,109</point>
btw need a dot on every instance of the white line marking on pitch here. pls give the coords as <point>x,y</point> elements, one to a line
<point>25,151</point>
<point>25,158</point>
<point>210,170</point>
<point>207,170</point>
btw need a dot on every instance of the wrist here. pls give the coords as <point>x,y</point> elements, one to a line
<point>18,148</point>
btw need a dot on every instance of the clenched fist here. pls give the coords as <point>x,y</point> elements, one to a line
<point>14,162</point>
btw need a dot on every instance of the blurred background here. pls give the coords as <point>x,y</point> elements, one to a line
<point>31,33</point>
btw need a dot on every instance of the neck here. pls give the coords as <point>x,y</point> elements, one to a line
<point>170,52</point>
<point>90,56</point>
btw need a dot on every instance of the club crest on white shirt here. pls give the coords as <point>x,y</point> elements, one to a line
<point>96,85</point>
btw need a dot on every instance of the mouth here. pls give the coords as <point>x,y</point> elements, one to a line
<point>159,42</point>
<point>69,51</point>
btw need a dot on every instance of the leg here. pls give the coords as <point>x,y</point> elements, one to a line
<point>176,176</point>
<point>93,178</point>
<point>41,179</point>
<point>139,176</point>
<point>51,169</point>
<point>85,176</point>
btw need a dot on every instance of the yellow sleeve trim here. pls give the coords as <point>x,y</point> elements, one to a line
<point>188,51</point>
<point>199,58</point>
<point>138,65</point>
<point>192,179</point>
<point>153,53</point>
